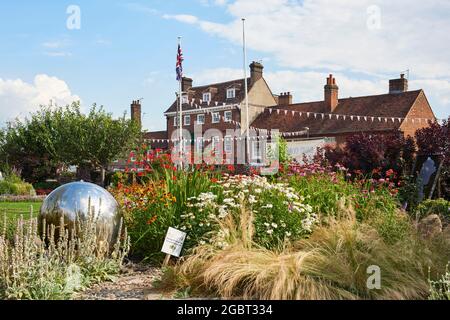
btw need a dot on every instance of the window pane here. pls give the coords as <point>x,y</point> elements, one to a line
<point>201,119</point>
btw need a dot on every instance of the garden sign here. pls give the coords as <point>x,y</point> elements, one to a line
<point>174,242</point>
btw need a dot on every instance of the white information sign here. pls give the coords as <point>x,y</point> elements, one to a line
<point>174,242</point>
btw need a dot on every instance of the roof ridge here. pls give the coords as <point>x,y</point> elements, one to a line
<point>358,97</point>
<point>384,94</point>
<point>218,83</point>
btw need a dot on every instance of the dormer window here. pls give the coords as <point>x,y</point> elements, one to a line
<point>231,93</point>
<point>184,99</point>
<point>207,97</point>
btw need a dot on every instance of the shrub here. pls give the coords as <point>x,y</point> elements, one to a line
<point>440,207</point>
<point>13,185</point>
<point>331,264</point>
<point>368,152</point>
<point>53,267</point>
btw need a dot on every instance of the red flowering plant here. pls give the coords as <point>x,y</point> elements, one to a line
<point>147,210</point>
<point>153,193</point>
<point>325,185</point>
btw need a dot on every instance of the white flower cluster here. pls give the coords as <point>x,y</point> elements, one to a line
<point>258,193</point>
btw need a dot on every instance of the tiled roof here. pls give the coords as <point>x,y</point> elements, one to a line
<point>218,93</point>
<point>386,105</point>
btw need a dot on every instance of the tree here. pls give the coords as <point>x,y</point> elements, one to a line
<point>64,136</point>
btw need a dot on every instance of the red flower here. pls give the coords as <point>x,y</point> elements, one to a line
<point>390,173</point>
<point>152,220</point>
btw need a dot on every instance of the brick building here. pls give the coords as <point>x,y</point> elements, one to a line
<point>336,118</point>
<point>220,106</point>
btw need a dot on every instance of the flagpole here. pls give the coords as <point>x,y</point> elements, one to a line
<point>247,125</point>
<point>180,119</point>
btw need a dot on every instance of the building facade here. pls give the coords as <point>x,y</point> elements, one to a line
<point>220,108</point>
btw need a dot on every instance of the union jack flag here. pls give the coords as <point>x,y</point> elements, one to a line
<point>180,60</point>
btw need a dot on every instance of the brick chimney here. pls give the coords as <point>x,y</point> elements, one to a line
<point>256,71</point>
<point>398,85</point>
<point>136,112</point>
<point>284,99</point>
<point>331,93</point>
<point>186,84</point>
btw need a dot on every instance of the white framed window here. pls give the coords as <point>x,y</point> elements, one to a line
<point>215,117</point>
<point>256,151</point>
<point>207,97</point>
<point>184,99</point>
<point>187,120</point>
<point>228,116</point>
<point>201,119</point>
<point>231,93</point>
<point>228,144</point>
<point>176,121</point>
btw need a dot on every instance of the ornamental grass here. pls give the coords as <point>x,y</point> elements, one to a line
<point>48,267</point>
<point>331,264</point>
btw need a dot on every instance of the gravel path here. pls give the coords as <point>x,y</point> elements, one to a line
<point>135,283</point>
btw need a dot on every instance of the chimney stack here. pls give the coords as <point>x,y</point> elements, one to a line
<point>256,71</point>
<point>136,112</point>
<point>186,84</point>
<point>284,99</point>
<point>331,93</point>
<point>398,85</point>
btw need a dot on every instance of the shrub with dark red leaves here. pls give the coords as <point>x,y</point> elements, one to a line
<point>367,153</point>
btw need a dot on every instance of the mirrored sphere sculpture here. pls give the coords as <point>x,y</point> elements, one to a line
<point>78,201</point>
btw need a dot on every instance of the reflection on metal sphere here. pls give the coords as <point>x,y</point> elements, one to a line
<point>72,201</point>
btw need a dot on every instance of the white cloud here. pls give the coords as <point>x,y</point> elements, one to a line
<point>186,18</point>
<point>335,35</point>
<point>18,98</point>
<point>216,75</point>
<point>320,36</point>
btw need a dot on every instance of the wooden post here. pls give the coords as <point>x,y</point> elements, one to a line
<point>166,261</point>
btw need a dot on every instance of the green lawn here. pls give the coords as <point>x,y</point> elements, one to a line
<point>15,209</point>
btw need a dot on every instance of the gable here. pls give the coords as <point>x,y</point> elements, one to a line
<point>421,109</point>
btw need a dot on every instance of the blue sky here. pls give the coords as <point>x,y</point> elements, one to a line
<point>126,50</point>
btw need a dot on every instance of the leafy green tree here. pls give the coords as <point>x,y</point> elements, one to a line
<point>55,137</point>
